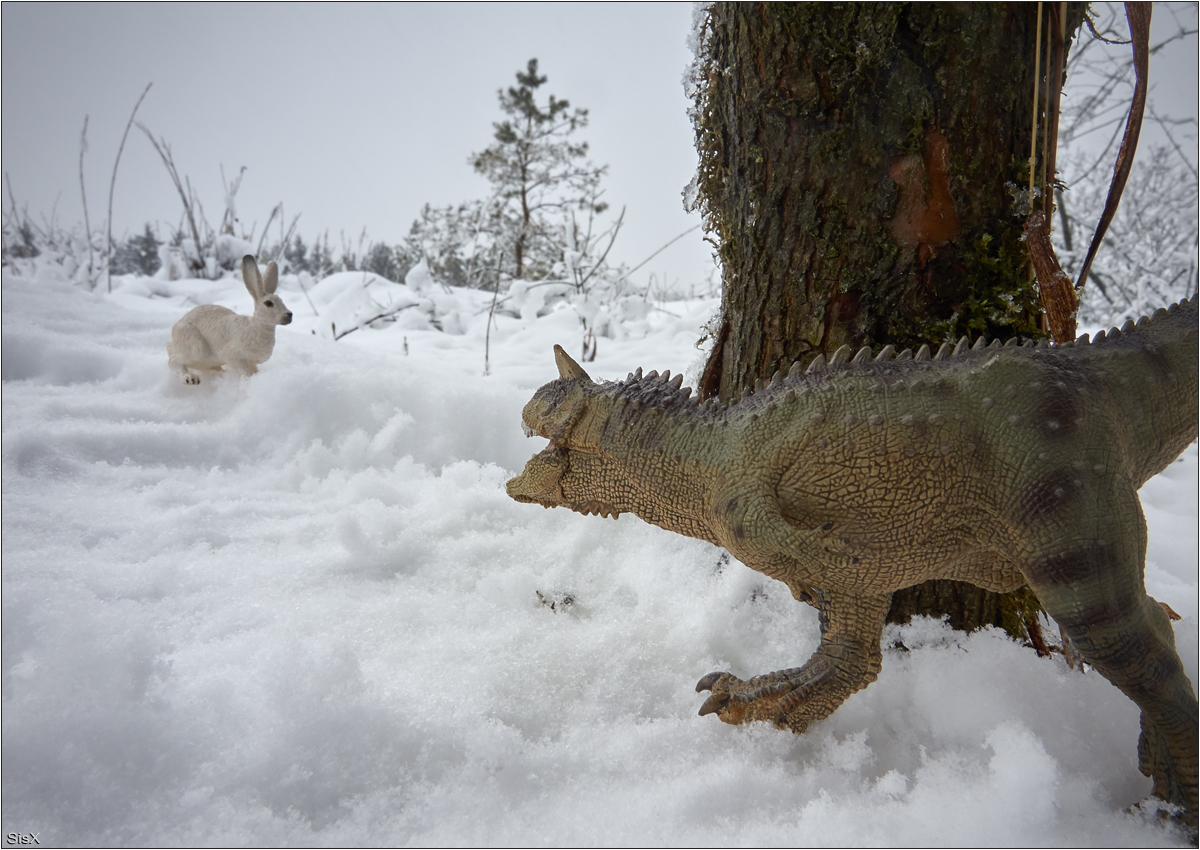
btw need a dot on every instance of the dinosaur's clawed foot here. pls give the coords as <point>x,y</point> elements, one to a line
<point>191,379</point>
<point>737,701</point>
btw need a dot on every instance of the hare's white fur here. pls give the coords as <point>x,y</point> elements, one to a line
<point>211,337</point>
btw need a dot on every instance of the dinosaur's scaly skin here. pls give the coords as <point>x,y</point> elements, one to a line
<point>998,466</point>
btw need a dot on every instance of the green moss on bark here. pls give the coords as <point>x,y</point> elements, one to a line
<point>805,115</point>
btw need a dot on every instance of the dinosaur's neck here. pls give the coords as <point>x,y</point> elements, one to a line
<point>662,463</point>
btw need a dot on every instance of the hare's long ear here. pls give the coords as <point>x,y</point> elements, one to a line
<point>270,279</point>
<point>250,276</point>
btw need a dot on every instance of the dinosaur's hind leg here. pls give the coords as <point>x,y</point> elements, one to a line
<point>1093,586</point>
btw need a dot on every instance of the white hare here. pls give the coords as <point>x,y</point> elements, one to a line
<point>211,336</point>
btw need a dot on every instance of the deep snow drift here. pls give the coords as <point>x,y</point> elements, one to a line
<point>300,609</point>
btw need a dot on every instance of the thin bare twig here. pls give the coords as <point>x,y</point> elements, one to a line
<point>288,238</point>
<point>656,253</point>
<point>487,337</point>
<point>383,315</point>
<point>113,183</point>
<point>87,227</point>
<point>185,195</point>
<point>1139,15</point>
<point>276,210</point>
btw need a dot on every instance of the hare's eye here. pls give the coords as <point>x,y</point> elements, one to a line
<point>269,303</point>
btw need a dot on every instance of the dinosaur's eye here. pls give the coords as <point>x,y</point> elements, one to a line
<point>269,303</point>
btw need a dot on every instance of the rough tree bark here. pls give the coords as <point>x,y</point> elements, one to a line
<point>863,173</point>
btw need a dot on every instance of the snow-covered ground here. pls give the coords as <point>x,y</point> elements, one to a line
<point>298,609</point>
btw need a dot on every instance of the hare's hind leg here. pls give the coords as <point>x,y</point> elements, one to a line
<point>186,351</point>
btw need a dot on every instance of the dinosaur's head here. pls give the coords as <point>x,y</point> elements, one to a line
<point>560,412</point>
<point>555,410</point>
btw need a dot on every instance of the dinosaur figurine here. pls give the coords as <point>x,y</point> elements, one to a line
<point>995,465</point>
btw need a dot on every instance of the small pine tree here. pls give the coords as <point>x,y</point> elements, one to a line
<point>540,179</point>
<point>537,172</point>
<point>296,255</point>
<point>138,255</point>
<point>381,259</point>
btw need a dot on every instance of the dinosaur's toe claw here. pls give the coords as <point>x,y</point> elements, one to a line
<point>706,684</point>
<point>714,704</point>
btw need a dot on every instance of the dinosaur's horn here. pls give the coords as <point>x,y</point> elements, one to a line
<point>568,368</point>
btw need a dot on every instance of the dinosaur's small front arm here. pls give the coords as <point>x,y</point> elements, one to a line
<point>847,660</point>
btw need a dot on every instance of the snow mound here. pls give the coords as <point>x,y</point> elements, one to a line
<point>299,609</point>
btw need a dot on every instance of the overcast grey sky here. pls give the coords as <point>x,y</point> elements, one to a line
<point>353,115</point>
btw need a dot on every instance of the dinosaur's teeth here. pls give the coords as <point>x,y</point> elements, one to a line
<point>795,370</point>
<point>637,373</point>
<point>677,381</point>
<point>652,374</point>
<point>817,365</point>
<point>979,344</point>
<point>666,376</point>
<point>864,354</point>
<point>961,347</point>
<point>922,353</point>
<point>1012,343</point>
<point>994,344</point>
<point>1043,343</point>
<point>686,392</point>
<point>529,432</point>
<point>1141,321</point>
<point>1099,336</point>
<point>1084,340</point>
<point>630,378</point>
<point>777,377</point>
<point>943,351</point>
<point>840,356</point>
<point>888,353</point>
<point>1128,326</point>
<point>1161,311</point>
<point>906,354</point>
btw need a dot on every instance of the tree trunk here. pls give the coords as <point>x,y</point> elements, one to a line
<point>864,171</point>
